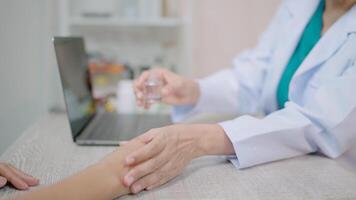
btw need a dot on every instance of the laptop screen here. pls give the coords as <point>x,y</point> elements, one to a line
<point>74,72</point>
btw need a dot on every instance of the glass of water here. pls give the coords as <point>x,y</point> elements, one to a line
<point>153,86</point>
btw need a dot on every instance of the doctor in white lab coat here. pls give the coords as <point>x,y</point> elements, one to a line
<point>319,116</point>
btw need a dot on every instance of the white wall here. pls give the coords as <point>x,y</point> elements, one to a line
<point>26,65</point>
<point>221,29</point>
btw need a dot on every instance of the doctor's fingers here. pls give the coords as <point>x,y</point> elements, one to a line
<point>140,100</point>
<point>138,177</point>
<point>147,137</point>
<point>138,85</point>
<point>164,174</point>
<point>150,181</point>
<point>140,81</point>
<point>146,152</point>
<point>139,93</point>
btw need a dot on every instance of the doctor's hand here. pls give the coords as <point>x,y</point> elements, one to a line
<point>167,151</point>
<point>17,178</point>
<point>176,90</point>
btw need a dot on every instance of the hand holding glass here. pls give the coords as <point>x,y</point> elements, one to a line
<point>161,85</point>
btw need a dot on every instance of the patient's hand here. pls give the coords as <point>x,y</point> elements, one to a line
<point>102,180</point>
<point>115,162</point>
<point>17,178</point>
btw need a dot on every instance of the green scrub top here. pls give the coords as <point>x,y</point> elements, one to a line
<point>310,36</point>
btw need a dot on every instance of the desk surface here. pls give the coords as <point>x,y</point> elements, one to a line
<point>46,151</point>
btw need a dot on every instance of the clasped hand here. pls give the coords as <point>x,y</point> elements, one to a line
<point>166,152</point>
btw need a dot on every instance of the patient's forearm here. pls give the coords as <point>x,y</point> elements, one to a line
<point>94,182</point>
<point>100,181</point>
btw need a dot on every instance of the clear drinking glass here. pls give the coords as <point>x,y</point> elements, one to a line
<point>153,86</point>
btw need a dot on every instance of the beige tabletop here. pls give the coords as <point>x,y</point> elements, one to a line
<point>46,150</point>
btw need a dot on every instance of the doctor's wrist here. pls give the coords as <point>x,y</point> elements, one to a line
<point>190,92</point>
<point>195,91</point>
<point>212,140</point>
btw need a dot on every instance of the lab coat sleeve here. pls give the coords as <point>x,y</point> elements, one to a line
<point>325,124</point>
<point>237,89</point>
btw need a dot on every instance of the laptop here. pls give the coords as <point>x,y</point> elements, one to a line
<point>88,126</point>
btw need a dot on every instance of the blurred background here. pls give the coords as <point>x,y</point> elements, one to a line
<point>123,37</point>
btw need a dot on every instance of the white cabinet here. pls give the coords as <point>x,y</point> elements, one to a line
<point>135,32</point>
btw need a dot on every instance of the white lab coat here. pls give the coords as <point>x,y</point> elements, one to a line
<point>321,113</point>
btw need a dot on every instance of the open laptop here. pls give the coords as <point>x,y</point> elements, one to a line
<point>87,125</point>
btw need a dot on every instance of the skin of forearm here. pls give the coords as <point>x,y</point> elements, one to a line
<point>95,182</point>
<point>193,91</point>
<point>102,180</point>
<point>209,139</point>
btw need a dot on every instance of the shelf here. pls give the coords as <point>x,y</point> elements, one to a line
<point>118,22</point>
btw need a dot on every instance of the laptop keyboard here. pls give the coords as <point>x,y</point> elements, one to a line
<point>111,126</point>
